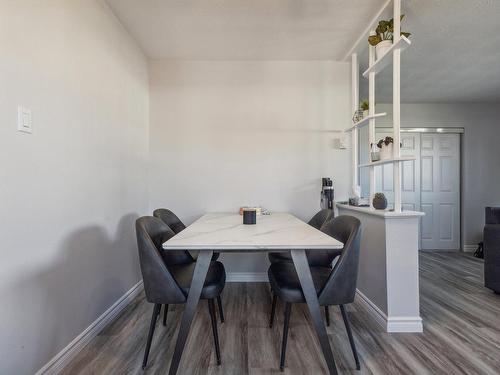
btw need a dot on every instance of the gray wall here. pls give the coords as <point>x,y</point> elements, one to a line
<point>69,192</point>
<point>480,153</point>
<point>231,133</point>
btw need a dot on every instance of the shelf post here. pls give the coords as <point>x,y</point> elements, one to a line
<point>371,126</point>
<point>396,106</point>
<point>355,105</point>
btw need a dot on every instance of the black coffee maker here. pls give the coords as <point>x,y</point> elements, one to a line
<point>327,193</point>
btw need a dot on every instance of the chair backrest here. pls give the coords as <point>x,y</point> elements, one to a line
<point>159,284</point>
<point>492,215</point>
<point>340,287</point>
<point>321,218</point>
<point>169,218</point>
<point>176,225</point>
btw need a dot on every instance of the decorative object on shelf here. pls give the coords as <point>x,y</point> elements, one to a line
<point>355,196</point>
<point>383,37</point>
<point>364,106</point>
<point>385,145</point>
<point>379,201</point>
<point>358,116</point>
<point>374,153</point>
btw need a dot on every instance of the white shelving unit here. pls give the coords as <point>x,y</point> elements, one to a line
<point>400,43</point>
<point>365,121</point>
<point>386,161</point>
<point>383,62</point>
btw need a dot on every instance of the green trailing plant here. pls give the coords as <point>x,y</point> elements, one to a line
<point>385,31</point>
<point>364,105</point>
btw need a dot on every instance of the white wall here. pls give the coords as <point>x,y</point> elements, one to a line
<point>480,153</point>
<point>69,193</point>
<point>230,133</point>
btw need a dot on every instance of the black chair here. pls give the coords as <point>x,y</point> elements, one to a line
<point>492,249</point>
<point>180,257</point>
<point>169,284</point>
<point>314,258</point>
<point>335,286</point>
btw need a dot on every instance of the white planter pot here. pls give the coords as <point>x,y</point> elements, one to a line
<point>386,151</point>
<point>365,114</point>
<point>382,48</point>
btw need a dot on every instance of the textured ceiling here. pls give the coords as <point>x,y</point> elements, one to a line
<point>245,29</point>
<point>454,57</point>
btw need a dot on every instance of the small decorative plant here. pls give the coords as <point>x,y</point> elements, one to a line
<point>385,31</point>
<point>383,36</point>
<point>386,146</point>
<point>364,105</point>
<point>385,141</point>
<point>379,201</point>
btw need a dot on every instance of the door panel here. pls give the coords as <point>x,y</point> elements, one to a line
<point>430,184</point>
<point>427,226</point>
<point>440,193</point>
<point>410,173</point>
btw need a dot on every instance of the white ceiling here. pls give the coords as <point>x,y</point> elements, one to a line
<point>245,29</point>
<point>454,57</point>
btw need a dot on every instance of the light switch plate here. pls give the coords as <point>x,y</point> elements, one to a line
<point>24,121</point>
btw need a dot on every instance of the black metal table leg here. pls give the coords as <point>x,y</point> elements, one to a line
<point>200,274</point>
<point>306,282</point>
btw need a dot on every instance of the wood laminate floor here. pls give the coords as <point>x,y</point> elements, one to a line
<point>461,333</point>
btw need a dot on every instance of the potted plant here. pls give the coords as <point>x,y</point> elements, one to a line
<point>379,201</point>
<point>383,37</point>
<point>385,145</point>
<point>364,106</point>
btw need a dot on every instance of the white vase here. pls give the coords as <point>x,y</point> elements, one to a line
<point>386,151</point>
<point>382,48</point>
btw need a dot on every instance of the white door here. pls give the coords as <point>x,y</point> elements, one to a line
<point>440,191</point>
<point>410,173</point>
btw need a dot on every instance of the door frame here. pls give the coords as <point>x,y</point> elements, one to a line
<point>443,130</point>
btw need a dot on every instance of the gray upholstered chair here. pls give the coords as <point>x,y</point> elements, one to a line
<point>169,284</point>
<point>491,242</point>
<point>314,258</point>
<point>180,257</point>
<point>335,286</point>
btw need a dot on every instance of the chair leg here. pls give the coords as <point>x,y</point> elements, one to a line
<point>221,312</point>
<point>152,326</point>
<point>349,334</point>
<point>273,310</point>
<point>165,311</point>
<point>288,310</point>
<point>211,310</point>
<point>327,316</point>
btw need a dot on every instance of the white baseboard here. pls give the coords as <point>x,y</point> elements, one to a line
<point>372,309</point>
<point>405,324</point>
<point>390,324</point>
<point>247,277</point>
<point>469,248</point>
<point>56,364</point>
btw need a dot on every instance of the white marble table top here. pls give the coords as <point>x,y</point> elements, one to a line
<point>226,232</point>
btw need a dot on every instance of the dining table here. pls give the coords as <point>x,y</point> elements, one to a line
<point>275,232</point>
